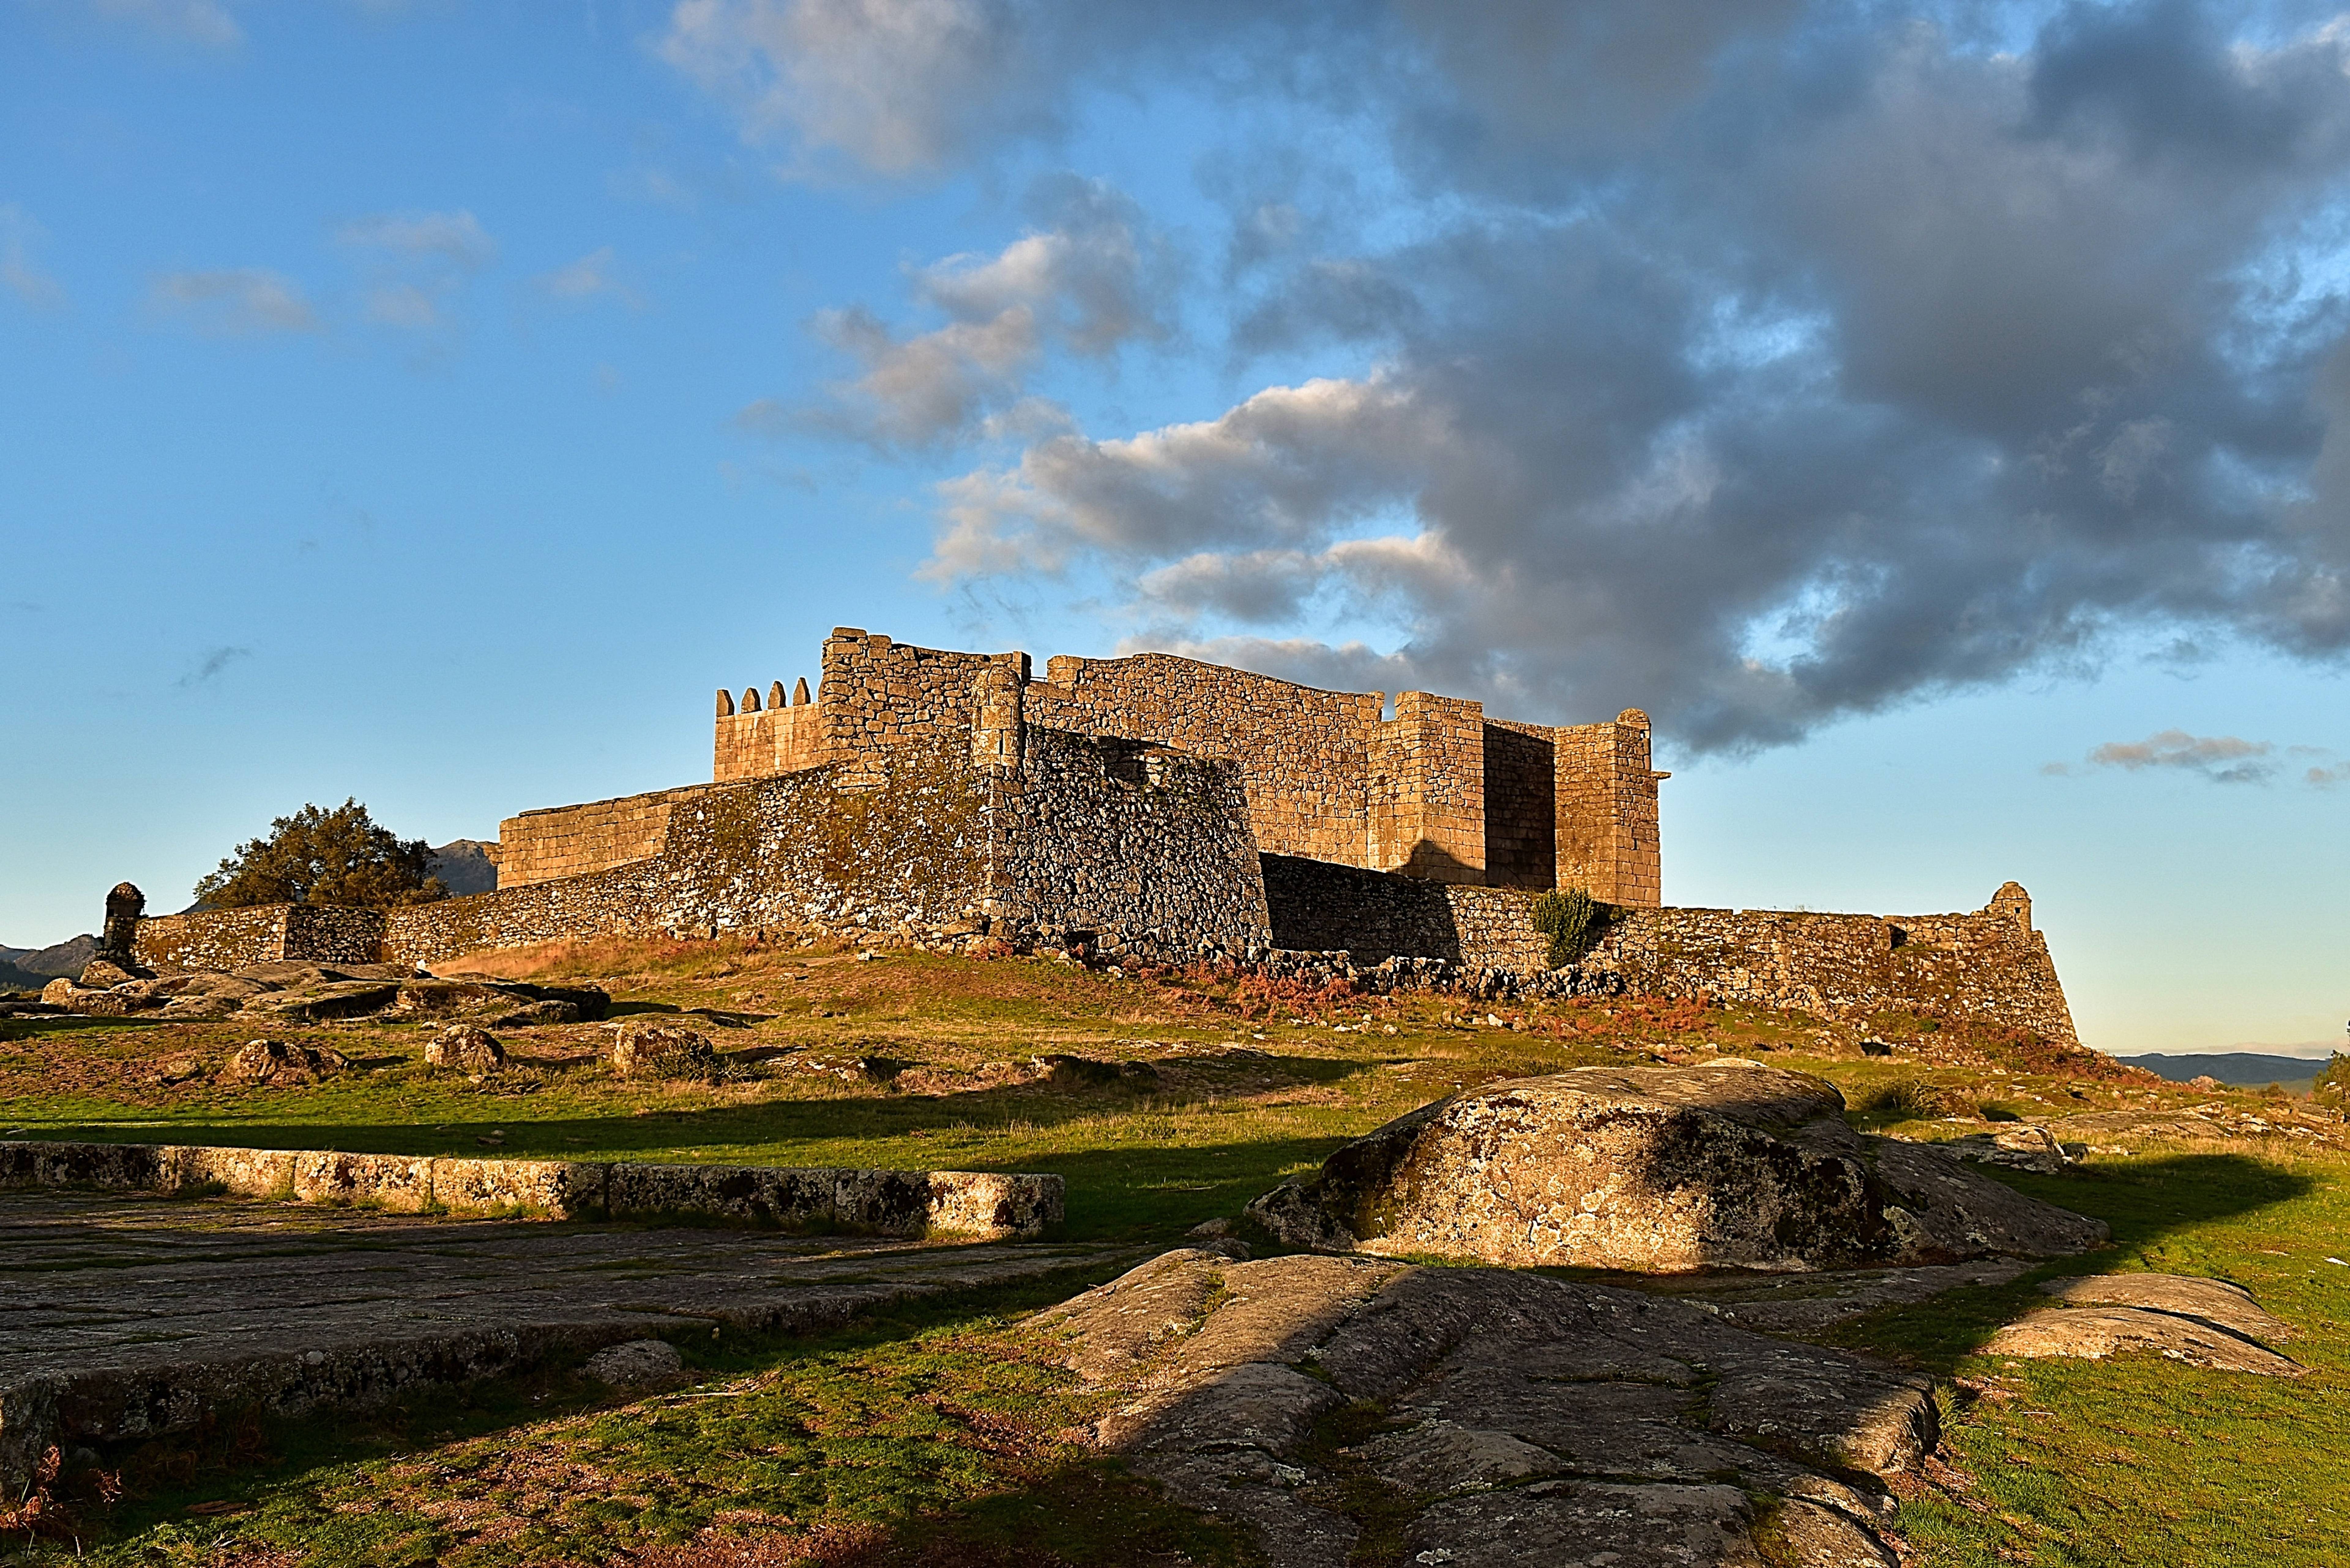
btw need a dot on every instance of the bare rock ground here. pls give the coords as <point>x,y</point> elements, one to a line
<point>1499,1417</point>
<point>130,1317</point>
<point>2204,1323</point>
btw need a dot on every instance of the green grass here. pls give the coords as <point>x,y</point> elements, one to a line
<point>943,1435</point>
<point>2138,1460</point>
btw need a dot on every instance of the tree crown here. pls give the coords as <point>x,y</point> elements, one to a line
<point>324,856</point>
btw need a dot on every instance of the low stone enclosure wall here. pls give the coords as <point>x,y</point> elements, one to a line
<point>941,1204</point>
<point>1987,967</point>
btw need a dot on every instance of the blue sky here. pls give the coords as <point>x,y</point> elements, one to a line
<point>1926,412</point>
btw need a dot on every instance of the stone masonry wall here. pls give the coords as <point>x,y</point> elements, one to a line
<point>1425,790</point>
<point>1306,753</point>
<point>231,939</point>
<point>1987,967</point>
<point>1146,845</point>
<point>759,740</point>
<point>1438,792</point>
<point>574,840</point>
<point>1150,852</point>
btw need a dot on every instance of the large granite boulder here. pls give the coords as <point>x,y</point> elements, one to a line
<point>1657,1169</point>
<point>465,1048</point>
<point>658,1048</point>
<point>1495,1418</point>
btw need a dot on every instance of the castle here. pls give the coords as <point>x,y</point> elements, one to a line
<point>1163,809</point>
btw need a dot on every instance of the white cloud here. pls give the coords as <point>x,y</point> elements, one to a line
<point>455,237</point>
<point>18,236</point>
<point>1098,279</point>
<point>896,85</point>
<point>593,276</point>
<point>405,305</point>
<point>240,302</point>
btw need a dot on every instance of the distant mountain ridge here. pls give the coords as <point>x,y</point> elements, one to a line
<point>2242,1068</point>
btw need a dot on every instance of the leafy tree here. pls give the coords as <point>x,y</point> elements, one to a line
<point>317,857</point>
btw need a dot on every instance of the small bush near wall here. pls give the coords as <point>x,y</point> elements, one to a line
<point>1572,919</point>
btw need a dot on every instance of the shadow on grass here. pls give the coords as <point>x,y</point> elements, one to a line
<point>2145,1203</point>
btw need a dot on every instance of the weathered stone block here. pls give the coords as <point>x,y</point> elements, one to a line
<point>385,1180</point>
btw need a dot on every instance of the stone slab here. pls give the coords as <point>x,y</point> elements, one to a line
<point>130,1315</point>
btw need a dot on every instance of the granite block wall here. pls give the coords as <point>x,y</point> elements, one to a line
<point>761,738</point>
<point>573,840</point>
<point>1437,791</point>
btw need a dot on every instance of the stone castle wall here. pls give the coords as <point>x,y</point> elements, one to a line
<point>561,841</point>
<point>1988,967</point>
<point>1140,850</point>
<point>758,740</point>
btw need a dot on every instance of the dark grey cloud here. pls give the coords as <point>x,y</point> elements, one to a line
<point>1757,363</point>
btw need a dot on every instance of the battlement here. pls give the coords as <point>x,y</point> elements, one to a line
<point>1437,791</point>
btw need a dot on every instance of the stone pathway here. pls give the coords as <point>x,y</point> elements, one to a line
<point>130,1316</point>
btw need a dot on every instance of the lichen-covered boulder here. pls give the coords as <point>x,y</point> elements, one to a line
<point>656,1048</point>
<point>274,1063</point>
<point>1659,1170</point>
<point>465,1048</point>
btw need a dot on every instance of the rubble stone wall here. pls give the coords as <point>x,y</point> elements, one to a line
<point>231,939</point>
<point>1148,846</point>
<point>573,840</point>
<point>1988,967</point>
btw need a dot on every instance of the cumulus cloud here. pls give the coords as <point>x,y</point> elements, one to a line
<point>1758,364</point>
<point>1092,277</point>
<point>19,235</point>
<point>240,302</point>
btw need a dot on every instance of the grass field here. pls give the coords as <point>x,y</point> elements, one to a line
<point>945,1436</point>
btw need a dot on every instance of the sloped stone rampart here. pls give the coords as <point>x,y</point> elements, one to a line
<point>957,1204</point>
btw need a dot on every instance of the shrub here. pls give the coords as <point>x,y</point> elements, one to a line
<point>317,857</point>
<point>2333,1085</point>
<point>1572,922</point>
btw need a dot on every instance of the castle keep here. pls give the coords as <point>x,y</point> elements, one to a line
<point>1438,792</point>
<point>1159,808</point>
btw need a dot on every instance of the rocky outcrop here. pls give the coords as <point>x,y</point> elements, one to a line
<point>1656,1170</point>
<point>1517,1418</point>
<point>2204,1323</point>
